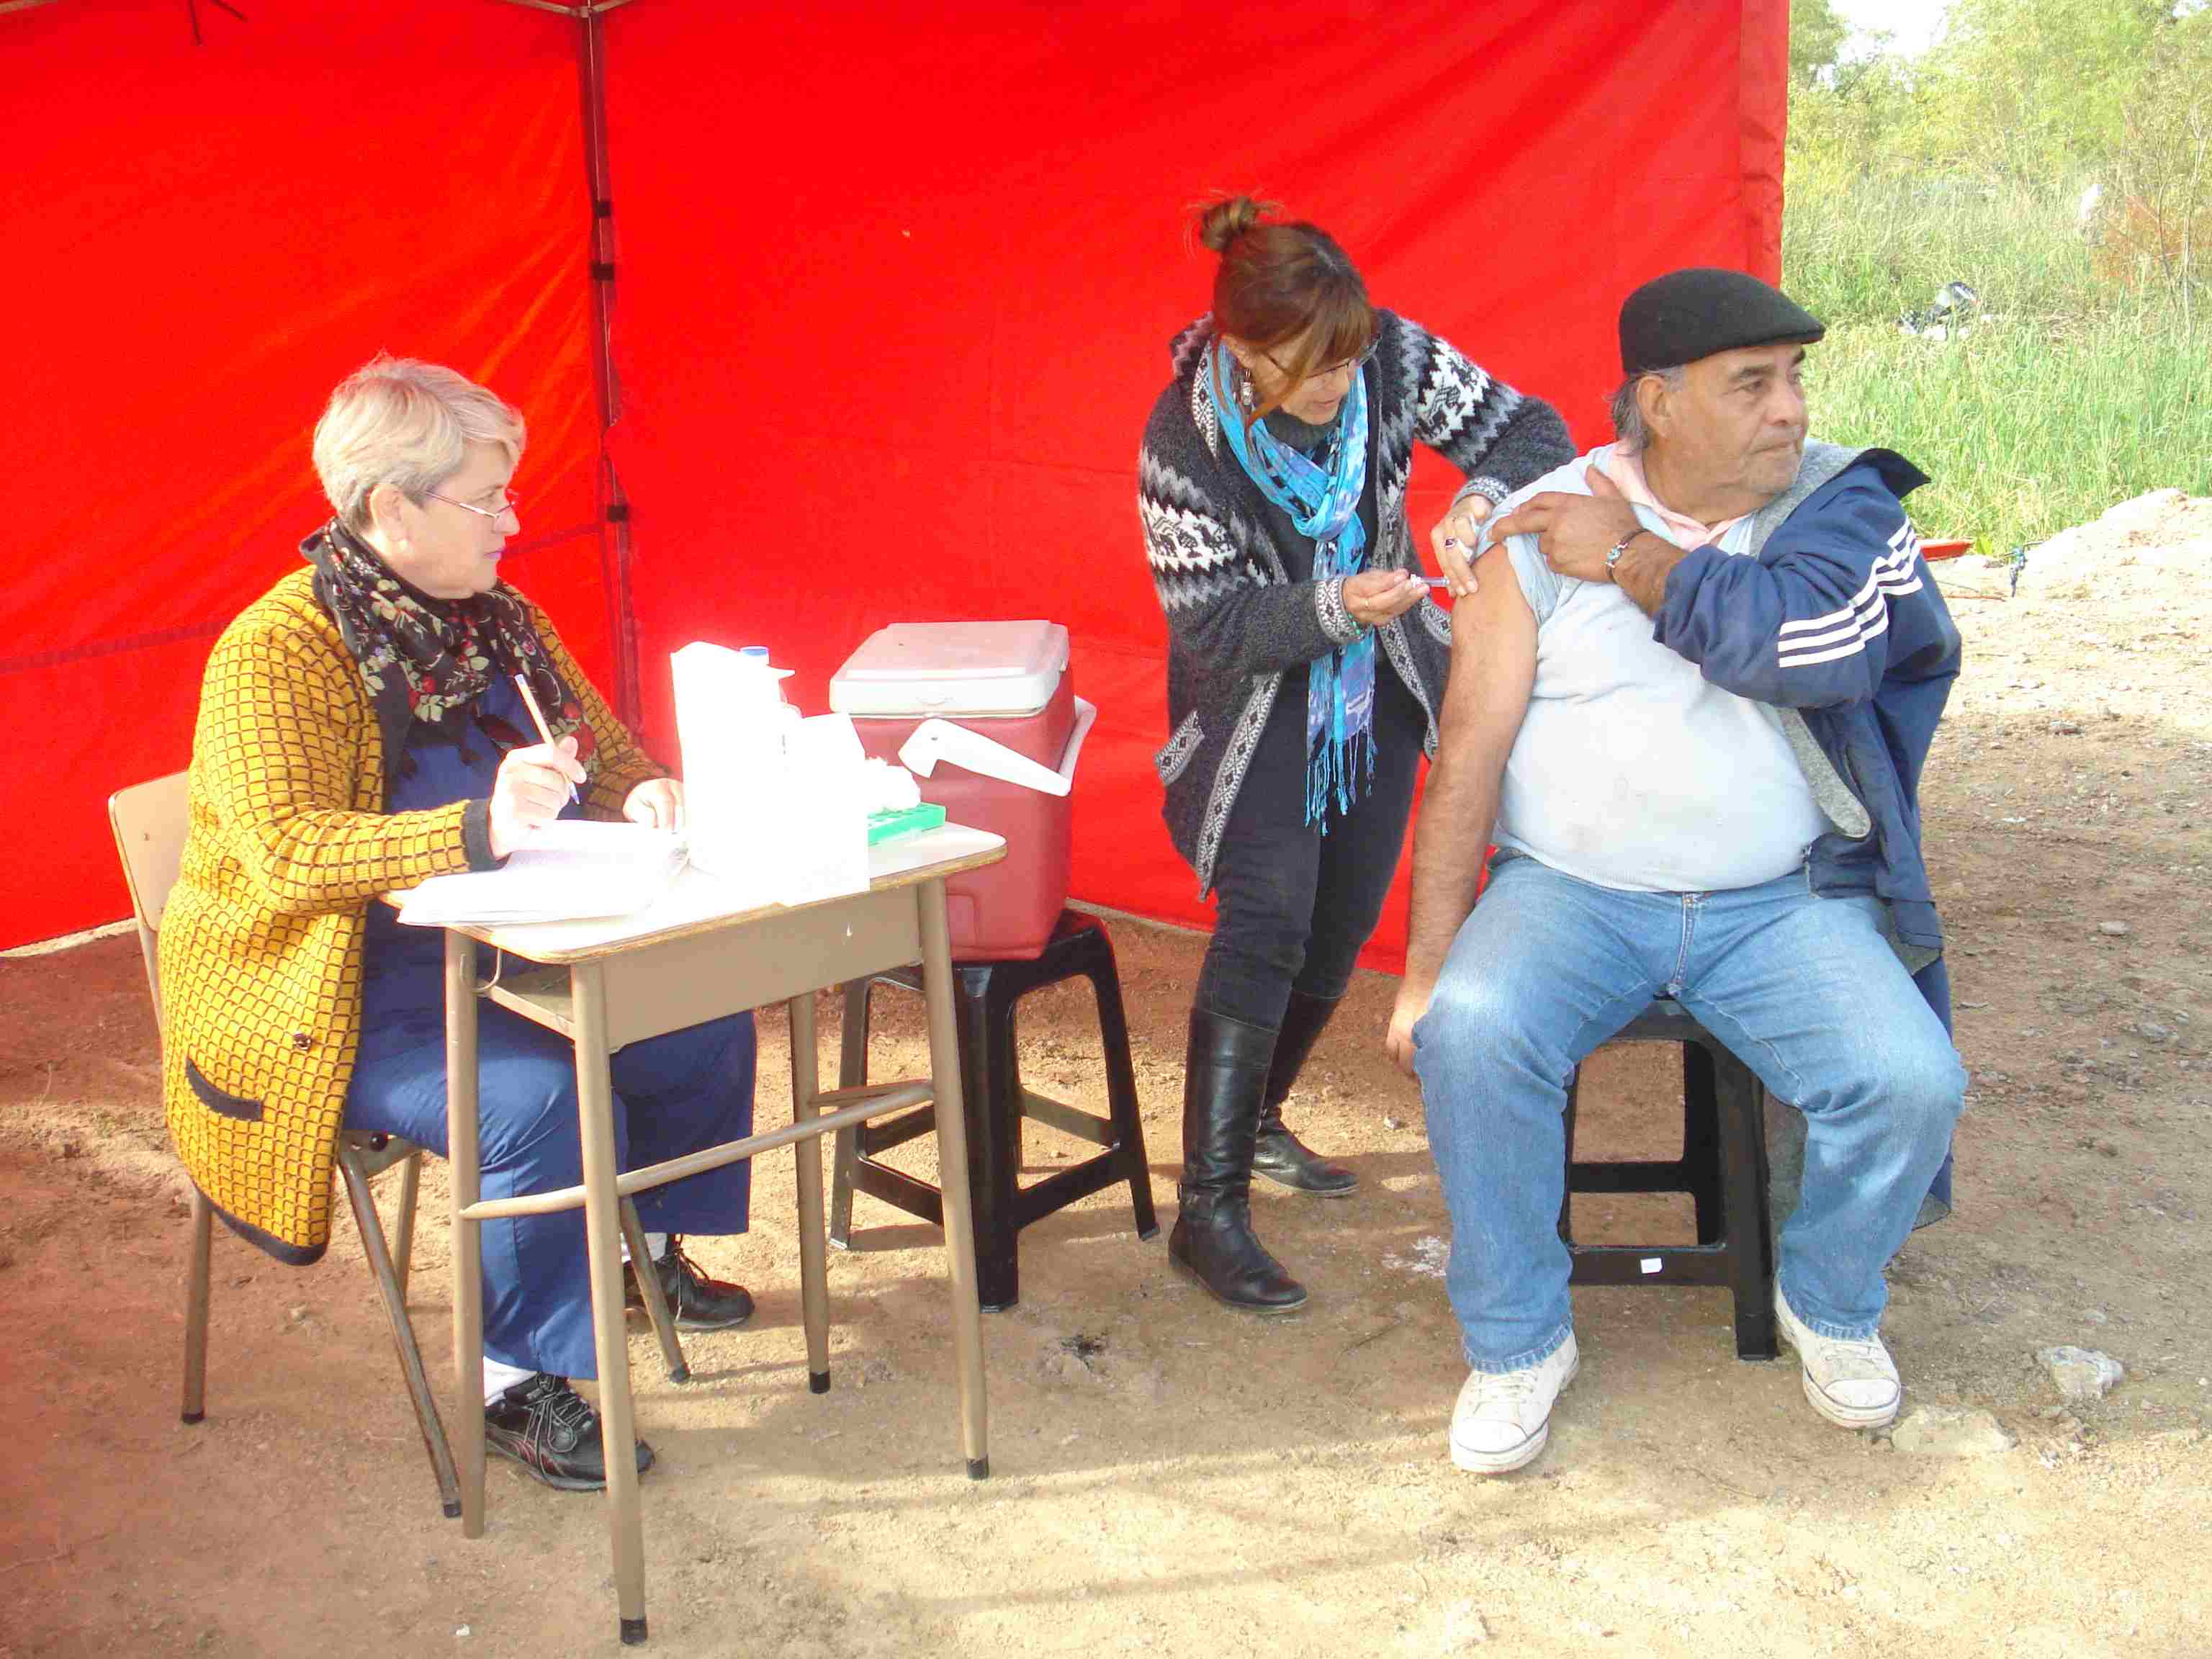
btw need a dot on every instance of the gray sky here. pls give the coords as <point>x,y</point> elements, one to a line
<point>1912,23</point>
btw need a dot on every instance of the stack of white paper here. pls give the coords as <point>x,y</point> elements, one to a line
<point>566,872</point>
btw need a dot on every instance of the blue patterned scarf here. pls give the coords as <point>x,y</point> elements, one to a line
<point>1323,502</point>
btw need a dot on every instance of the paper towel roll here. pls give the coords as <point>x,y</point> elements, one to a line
<point>730,725</point>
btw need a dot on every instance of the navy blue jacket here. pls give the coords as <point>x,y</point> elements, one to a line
<point>1836,615</point>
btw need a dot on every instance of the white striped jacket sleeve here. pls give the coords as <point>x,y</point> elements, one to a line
<point>1838,600</point>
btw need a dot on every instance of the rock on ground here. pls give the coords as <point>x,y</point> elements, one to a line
<point>2082,1373</point>
<point>1950,1432</point>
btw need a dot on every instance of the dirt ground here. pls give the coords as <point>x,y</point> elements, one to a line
<point>1169,1477</point>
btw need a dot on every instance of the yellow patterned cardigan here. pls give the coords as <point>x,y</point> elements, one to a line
<point>262,940</point>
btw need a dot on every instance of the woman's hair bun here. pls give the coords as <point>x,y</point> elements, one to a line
<point>1230,218</point>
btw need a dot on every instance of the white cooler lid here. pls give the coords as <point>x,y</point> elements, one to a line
<point>952,668</point>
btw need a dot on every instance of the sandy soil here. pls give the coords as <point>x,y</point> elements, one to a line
<point>1169,1477</point>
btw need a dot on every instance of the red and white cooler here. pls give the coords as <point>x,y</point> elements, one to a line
<point>985,714</point>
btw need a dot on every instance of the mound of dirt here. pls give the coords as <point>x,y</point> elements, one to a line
<point>2161,541</point>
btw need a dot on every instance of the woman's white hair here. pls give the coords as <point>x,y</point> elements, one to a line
<point>406,424</point>
<point>1628,414</point>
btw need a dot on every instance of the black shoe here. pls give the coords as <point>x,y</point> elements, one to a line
<point>1289,1161</point>
<point>1276,1152</point>
<point>550,1430</point>
<point>1212,1241</point>
<point>698,1302</point>
<point>1224,1073</point>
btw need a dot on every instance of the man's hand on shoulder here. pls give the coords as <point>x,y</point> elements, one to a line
<point>1573,532</point>
<point>1576,535</point>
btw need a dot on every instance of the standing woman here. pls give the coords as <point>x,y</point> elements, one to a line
<point>1305,667</point>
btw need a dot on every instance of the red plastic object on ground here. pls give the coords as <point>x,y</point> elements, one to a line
<point>1007,681</point>
<point>1943,549</point>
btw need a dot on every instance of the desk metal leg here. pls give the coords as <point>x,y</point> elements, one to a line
<point>813,1263</point>
<point>466,1171</point>
<point>602,1233</point>
<point>952,1167</point>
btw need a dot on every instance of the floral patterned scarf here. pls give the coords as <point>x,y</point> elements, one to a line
<point>427,661</point>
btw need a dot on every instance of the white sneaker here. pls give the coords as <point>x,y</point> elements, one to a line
<point>1853,1384</point>
<point>1504,1418</point>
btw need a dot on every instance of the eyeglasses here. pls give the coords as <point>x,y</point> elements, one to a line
<point>1355,364</point>
<point>512,503</point>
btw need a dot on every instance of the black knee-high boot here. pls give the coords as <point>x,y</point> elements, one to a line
<point>1225,1077</point>
<point>1277,1153</point>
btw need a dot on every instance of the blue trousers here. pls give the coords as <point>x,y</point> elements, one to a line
<point>673,1094</point>
<point>1803,989</point>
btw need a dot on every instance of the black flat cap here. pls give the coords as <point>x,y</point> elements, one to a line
<point>1688,314</point>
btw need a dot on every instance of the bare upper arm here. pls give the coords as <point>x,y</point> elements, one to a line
<point>1493,665</point>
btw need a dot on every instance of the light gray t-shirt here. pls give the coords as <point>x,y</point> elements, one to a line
<point>1630,770</point>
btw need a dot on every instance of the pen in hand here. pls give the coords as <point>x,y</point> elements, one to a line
<point>538,718</point>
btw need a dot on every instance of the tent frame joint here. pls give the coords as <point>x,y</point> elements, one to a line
<point>583,10</point>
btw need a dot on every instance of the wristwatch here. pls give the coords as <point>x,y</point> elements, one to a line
<point>1613,554</point>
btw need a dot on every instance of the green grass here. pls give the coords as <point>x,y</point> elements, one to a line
<point>2081,393</point>
<point>1859,250</point>
<point>2023,427</point>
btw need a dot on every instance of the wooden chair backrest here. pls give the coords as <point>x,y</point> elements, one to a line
<point>150,821</point>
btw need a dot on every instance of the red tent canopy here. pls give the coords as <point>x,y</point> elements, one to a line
<point>894,293</point>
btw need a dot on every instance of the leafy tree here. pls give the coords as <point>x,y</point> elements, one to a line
<point>1816,39</point>
<point>1863,119</point>
<point>2037,89</point>
<point>2156,220</point>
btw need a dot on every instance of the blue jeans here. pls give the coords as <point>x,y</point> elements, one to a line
<point>1803,989</point>
<point>673,1095</point>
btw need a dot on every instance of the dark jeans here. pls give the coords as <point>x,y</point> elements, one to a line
<point>1293,905</point>
<point>673,1095</point>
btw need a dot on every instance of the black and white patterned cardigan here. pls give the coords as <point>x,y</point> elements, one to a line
<point>1235,621</point>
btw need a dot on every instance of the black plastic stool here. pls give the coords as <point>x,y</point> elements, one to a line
<point>1722,1169</point>
<point>991,1086</point>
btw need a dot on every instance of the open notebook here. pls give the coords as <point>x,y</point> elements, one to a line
<point>567,871</point>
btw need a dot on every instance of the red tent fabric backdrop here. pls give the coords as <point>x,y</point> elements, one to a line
<point>894,296</point>
<point>202,241</point>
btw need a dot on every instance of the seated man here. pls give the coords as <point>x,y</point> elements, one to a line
<point>1689,701</point>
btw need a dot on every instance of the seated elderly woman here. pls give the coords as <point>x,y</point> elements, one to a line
<point>360,730</point>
